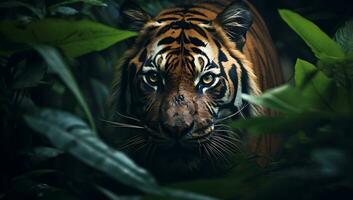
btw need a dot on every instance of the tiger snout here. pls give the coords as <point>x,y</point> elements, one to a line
<point>180,118</point>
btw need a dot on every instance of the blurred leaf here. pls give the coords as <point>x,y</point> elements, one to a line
<point>13,4</point>
<point>64,10</point>
<point>237,183</point>
<point>58,66</point>
<point>25,188</point>
<point>40,154</point>
<point>75,38</point>
<point>344,37</point>
<point>283,98</point>
<point>90,2</point>
<point>71,134</point>
<point>101,93</point>
<point>28,75</point>
<point>113,196</point>
<point>331,161</point>
<point>285,123</point>
<point>321,44</point>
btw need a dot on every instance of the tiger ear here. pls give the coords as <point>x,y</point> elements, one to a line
<point>236,20</point>
<point>133,17</point>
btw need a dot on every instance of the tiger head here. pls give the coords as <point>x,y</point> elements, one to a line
<point>184,75</point>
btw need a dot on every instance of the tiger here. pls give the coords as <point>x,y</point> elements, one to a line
<point>183,77</point>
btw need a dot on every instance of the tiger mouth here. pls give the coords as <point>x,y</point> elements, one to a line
<point>199,135</point>
<point>202,133</point>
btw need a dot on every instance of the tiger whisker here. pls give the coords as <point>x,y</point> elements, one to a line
<point>132,142</point>
<point>122,125</point>
<point>228,137</point>
<point>218,151</point>
<point>128,117</point>
<point>228,143</point>
<point>226,146</point>
<point>232,115</point>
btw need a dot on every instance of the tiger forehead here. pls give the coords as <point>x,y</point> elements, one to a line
<point>200,14</point>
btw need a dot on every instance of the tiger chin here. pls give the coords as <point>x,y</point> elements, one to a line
<point>182,78</point>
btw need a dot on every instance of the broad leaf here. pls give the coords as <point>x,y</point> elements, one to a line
<point>283,99</point>
<point>74,38</point>
<point>319,42</point>
<point>71,134</point>
<point>319,90</point>
<point>58,66</point>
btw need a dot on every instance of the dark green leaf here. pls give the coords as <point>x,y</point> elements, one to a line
<point>72,135</point>
<point>75,38</point>
<point>28,75</point>
<point>110,195</point>
<point>90,2</point>
<point>101,93</point>
<point>58,66</point>
<point>320,43</point>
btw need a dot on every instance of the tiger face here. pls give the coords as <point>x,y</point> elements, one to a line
<point>182,79</point>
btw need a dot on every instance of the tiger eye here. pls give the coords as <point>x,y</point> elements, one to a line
<point>152,78</point>
<point>207,79</point>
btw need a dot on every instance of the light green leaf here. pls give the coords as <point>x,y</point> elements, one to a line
<point>74,38</point>
<point>315,86</point>
<point>320,43</point>
<point>282,99</point>
<point>58,66</point>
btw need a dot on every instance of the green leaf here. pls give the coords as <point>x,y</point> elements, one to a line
<point>344,36</point>
<point>110,195</point>
<point>74,38</point>
<point>71,134</point>
<point>315,86</point>
<point>90,2</point>
<point>58,66</point>
<point>101,93</point>
<point>283,99</point>
<point>238,182</point>
<point>28,75</point>
<point>320,43</point>
<point>278,124</point>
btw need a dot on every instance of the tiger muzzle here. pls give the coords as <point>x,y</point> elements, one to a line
<point>177,118</point>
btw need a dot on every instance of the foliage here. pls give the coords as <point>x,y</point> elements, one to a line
<point>54,75</point>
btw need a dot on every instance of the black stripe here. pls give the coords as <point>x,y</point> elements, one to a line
<point>167,19</point>
<point>167,40</point>
<point>197,42</point>
<point>204,21</point>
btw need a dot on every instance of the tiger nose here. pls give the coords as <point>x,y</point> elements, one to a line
<point>178,129</point>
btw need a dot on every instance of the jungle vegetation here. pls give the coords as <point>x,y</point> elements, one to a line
<point>56,68</point>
